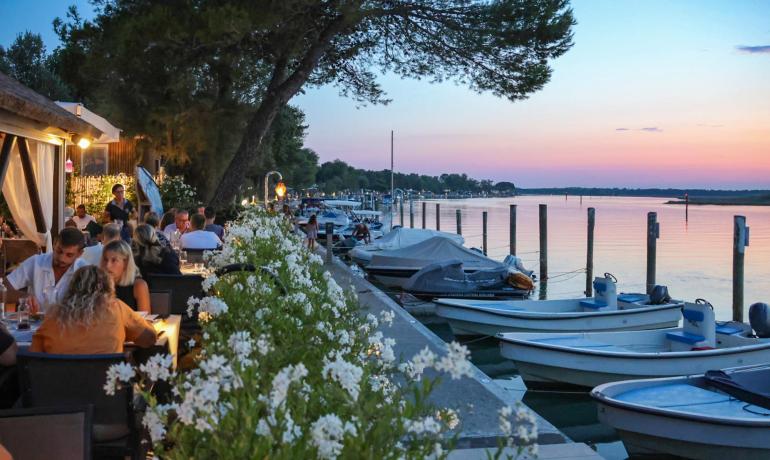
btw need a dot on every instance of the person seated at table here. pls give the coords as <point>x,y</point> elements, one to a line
<point>82,218</point>
<point>90,320</point>
<point>118,260</point>
<point>151,219</point>
<point>197,237</point>
<point>70,224</point>
<point>92,255</point>
<point>8,347</point>
<point>47,276</point>
<point>150,256</point>
<point>211,215</point>
<point>181,224</point>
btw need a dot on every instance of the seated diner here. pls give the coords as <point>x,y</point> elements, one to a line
<point>152,257</point>
<point>198,237</point>
<point>90,320</point>
<point>118,261</point>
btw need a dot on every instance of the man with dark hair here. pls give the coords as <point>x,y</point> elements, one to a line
<point>197,237</point>
<point>47,276</point>
<point>82,218</point>
<point>210,215</point>
<point>92,255</point>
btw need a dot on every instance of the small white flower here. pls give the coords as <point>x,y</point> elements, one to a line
<point>120,372</point>
<point>158,367</point>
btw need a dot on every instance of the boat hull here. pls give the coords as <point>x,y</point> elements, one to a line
<point>650,431</point>
<point>465,321</point>
<point>547,367</point>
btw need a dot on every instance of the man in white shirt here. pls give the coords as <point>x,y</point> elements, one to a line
<point>92,255</point>
<point>81,218</point>
<point>47,276</point>
<point>197,237</point>
<point>181,224</point>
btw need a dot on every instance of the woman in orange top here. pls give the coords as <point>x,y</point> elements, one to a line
<point>90,320</point>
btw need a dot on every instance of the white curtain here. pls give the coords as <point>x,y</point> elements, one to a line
<point>17,197</point>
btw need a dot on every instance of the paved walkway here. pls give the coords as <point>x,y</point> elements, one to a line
<point>477,399</point>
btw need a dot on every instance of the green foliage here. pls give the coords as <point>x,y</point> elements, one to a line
<point>175,193</point>
<point>26,61</point>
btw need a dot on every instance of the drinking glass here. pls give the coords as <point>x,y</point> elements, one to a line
<point>198,267</point>
<point>22,314</point>
<point>183,257</point>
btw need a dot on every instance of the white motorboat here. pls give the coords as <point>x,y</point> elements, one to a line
<point>606,311</point>
<point>394,267</point>
<point>719,415</point>
<point>396,239</point>
<point>547,360</point>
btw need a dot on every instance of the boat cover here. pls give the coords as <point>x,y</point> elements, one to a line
<point>449,276</point>
<point>400,238</point>
<point>751,386</point>
<point>435,249</point>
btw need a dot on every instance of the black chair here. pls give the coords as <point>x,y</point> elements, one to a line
<point>195,256</point>
<point>56,380</point>
<point>160,302</point>
<point>182,287</point>
<point>47,432</point>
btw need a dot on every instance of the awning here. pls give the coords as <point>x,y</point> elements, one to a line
<point>109,132</point>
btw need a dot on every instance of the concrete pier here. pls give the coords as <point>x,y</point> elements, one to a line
<point>477,400</point>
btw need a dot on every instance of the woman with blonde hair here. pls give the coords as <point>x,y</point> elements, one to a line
<point>90,320</point>
<point>118,261</point>
<point>150,255</point>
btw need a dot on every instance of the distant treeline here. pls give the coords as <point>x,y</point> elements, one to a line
<point>646,192</point>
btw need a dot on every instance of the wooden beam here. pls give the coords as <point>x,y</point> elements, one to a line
<point>56,219</point>
<point>29,178</point>
<point>5,156</point>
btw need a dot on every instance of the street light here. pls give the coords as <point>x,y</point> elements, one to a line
<point>280,189</point>
<point>280,178</point>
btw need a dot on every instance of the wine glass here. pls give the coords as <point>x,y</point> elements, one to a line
<point>22,314</point>
<point>183,257</point>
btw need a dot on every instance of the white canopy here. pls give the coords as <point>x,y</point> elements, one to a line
<point>110,133</point>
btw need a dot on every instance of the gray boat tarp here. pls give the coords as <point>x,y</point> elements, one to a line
<point>436,249</point>
<point>400,238</point>
<point>751,386</point>
<point>449,276</point>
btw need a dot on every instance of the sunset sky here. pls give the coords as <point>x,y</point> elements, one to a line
<point>653,93</point>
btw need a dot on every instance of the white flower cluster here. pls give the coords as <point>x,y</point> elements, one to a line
<point>281,382</point>
<point>208,307</point>
<point>200,404</point>
<point>158,367</point>
<point>348,375</point>
<point>121,372</point>
<point>328,433</point>
<point>242,345</point>
<point>525,426</point>
<point>455,363</point>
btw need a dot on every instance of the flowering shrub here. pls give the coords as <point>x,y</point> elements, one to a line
<point>175,193</point>
<point>293,374</point>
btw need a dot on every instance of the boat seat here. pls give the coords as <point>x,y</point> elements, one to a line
<point>685,337</point>
<point>727,329</point>
<point>593,304</point>
<point>631,298</point>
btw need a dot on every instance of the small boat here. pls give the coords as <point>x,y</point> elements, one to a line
<point>394,267</point>
<point>585,360</point>
<point>606,311</point>
<point>449,280</point>
<point>719,415</point>
<point>397,238</point>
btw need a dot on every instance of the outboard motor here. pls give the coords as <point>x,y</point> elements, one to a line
<point>659,295</point>
<point>759,318</point>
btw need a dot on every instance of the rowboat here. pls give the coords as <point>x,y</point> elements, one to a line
<point>722,414</point>
<point>606,311</point>
<point>585,360</point>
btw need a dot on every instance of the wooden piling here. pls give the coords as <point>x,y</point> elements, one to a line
<point>512,230</point>
<point>484,232</point>
<point>740,241</point>
<point>590,253</point>
<point>459,217</point>
<point>686,207</point>
<point>329,241</point>
<point>438,216</point>
<point>653,233</point>
<point>543,243</point>
<point>424,215</point>
<point>402,211</point>
<point>411,213</point>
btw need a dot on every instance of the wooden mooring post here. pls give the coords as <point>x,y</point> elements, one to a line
<point>329,241</point>
<point>438,217</point>
<point>459,217</point>
<point>740,241</point>
<point>402,211</point>
<point>590,253</point>
<point>484,232</point>
<point>512,230</point>
<point>543,243</point>
<point>411,213</point>
<point>653,233</point>
<point>424,215</point>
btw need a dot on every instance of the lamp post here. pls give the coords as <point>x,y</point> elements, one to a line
<point>267,177</point>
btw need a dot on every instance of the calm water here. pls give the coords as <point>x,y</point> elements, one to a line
<point>694,260</point>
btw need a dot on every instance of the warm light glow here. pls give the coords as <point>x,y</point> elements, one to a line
<point>280,189</point>
<point>84,143</point>
<point>245,201</point>
<point>68,166</point>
